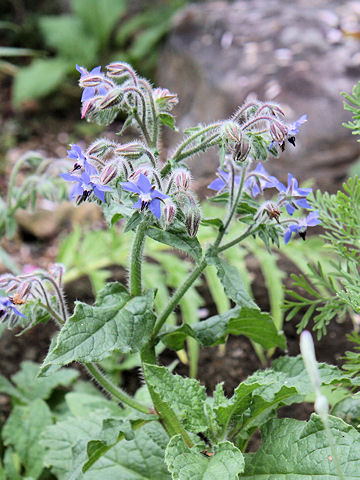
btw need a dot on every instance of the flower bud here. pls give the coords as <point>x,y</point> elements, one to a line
<point>132,150</point>
<point>113,97</point>
<point>169,211</point>
<point>165,99</point>
<point>108,173</point>
<point>182,178</point>
<point>321,406</point>
<point>242,150</point>
<point>277,132</point>
<point>91,80</point>
<point>192,220</point>
<point>100,147</point>
<point>117,69</point>
<point>145,169</point>
<point>231,131</point>
<point>273,211</point>
<point>308,353</point>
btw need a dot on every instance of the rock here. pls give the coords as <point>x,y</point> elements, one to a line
<point>293,53</point>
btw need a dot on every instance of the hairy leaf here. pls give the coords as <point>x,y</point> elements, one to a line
<point>116,322</point>
<point>22,431</point>
<point>176,236</point>
<point>239,321</point>
<point>295,450</point>
<point>189,464</point>
<point>185,395</point>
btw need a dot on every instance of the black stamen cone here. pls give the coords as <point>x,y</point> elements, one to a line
<point>303,235</point>
<point>292,140</point>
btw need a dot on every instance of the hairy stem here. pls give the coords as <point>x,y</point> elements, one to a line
<point>113,390</point>
<point>136,260</point>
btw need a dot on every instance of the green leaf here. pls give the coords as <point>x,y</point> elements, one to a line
<point>38,79</point>
<point>348,409</point>
<point>22,431</point>
<point>138,459</point>
<point>116,322</point>
<point>135,219</point>
<point>232,282</point>
<point>185,395</point>
<point>115,211</point>
<point>186,463</point>
<point>176,236</point>
<point>83,404</point>
<point>214,222</point>
<point>66,34</point>
<point>295,450</point>
<point>168,120</point>
<point>33,387</point>
<point>239,321</point>
<point>99,17</point>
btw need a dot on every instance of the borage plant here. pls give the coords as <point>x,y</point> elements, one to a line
<point>171,429</point>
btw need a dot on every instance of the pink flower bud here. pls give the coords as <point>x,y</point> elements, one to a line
<point>231,131</point>
<point>108,173</point>
<point>132,150</point>
<point>182,178</point>
<point>91,80</point>
<point>117,69</point>
<point>100,147</point>
<point>192,220</point>
<point>277,132</point>
<point>145,169</point>
<point>165,99</point>
<point>169,211</point>
<point>242,150</point>
<point>113,97</point>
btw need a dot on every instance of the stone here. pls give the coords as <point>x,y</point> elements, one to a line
<point>299,54</point>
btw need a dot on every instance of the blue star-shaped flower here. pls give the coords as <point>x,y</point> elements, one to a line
<point>6,305</point>
<point>293,128</point>
<point>300,226</point>
<point>291,195</point>
<point>87,183</point>
<point>149,197</point>
<point>75,153</point>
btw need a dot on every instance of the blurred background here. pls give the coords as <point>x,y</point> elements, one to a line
<point>213,54</point>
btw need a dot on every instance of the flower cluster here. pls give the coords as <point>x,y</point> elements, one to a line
<point>133,168</point>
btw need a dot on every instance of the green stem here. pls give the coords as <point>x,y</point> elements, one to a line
<point>249,231</point>
<point>12,179</point>
<point>208,143</point>
<point>177,296</point>
<point>136,260</point>
<point>115,391</point>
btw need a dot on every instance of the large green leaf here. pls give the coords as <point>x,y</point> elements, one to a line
<point>67,35</point>
<point>186,463</point>
<point>239,321</point>
<point>177,237</point>
<point>261,394</point>
<point>297,450</point>
<point>185,395</point>
<point>116,322</point>
<point>138,459</point>
<point>22,431</point>
<point>232,282</point>
<point>38,79</point>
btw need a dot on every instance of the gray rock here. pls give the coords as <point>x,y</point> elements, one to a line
<point>292,53</point>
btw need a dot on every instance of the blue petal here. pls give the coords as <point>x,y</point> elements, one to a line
<point>287,236</point>
<point>137,205</point>
<point>15,310</point>
<point>313,219</point>
<point>143,183</point>
<point>90,169</point>
<point>130,187</point>
<point>99,194</point>
<point>101,90</point>
<point>81,70</point>
<point>217,184</point>
<point>289,208</point>
<point>76,191</point>
<point>75,152</point>
<point>154,207</point>
<point>96,70</point>
<point>70,178</point>
<point>255,190</point>
<point>302,203</point>
<point>89,92</point>
<point>157,194</point>
<point>103,188</point>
